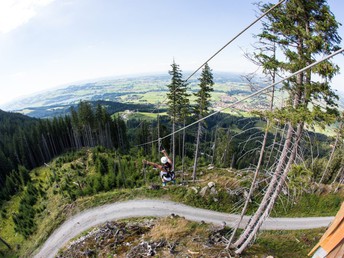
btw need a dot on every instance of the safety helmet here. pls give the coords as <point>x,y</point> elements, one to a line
<point>164,160</point>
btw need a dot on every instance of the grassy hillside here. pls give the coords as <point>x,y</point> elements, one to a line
<point>74,182</point>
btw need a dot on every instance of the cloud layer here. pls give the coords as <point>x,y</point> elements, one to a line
<point>14,13</point>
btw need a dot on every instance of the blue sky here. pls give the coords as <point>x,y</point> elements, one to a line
<point>49,43</point>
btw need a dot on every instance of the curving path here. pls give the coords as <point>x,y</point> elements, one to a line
<point>160,208</point>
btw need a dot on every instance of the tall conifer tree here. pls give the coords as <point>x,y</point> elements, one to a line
<point>303,30</point>
<point>176,100</point>
<point>202,106</point>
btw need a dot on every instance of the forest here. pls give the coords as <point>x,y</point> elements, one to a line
<point>27,143</point>
<point>278,143</point>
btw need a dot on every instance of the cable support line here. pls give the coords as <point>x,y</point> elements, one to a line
<point>228,43</point>
<point>235,37</point>
<point>249,96</point>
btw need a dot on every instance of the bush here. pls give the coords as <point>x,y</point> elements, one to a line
<point>4,213</point>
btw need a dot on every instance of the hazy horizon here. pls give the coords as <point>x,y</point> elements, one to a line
<point>48,43</point>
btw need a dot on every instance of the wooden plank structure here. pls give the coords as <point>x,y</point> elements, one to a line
<point>331,244</point>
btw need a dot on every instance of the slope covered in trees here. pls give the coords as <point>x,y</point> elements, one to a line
<point>26,143</point>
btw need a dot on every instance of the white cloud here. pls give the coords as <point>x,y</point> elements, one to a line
<point>14,13</point>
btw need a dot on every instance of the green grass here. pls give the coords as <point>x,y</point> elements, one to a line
<point>328,130</point>
<point>7,225</point>
<point>216,96</point>
<point>281,244</point>
<point>310,205</point>
<point>139,115</point>
<point>154,97</point>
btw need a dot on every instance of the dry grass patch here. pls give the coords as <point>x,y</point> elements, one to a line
<point>222,178</point>
<point>171,229</point>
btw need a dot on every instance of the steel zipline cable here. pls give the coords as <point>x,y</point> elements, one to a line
<point>222,48</point>
<point>238,35</point>
<point>249,96</point>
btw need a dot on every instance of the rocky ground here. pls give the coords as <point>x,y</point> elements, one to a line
<point>164,237</point>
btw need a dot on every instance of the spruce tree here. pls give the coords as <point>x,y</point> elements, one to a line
<point>202,107</point>
<point>176,100</point>
<point>303,30</point>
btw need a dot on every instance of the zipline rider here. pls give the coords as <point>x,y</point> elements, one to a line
<point>166,172</point>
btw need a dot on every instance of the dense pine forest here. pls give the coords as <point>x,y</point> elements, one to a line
<point>27,143</point>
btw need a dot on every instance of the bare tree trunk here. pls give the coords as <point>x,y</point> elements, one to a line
<point>183,151</point>
<point>227,147</point>
<point>267,164</point>
<point>214,147</point>
<point>52,144</point>
<point>271,188</point>
<point>260,161</point>
<point>340,172</point>
<point>158,120</point>
<point>196,151</point>
<point>254,224</point>
<point>253,184</point>
<point>120,138</point>
<point>272,199</point>
<point>5,243</point>
<point>341,181</point>
<point>108,136</point>
<point>173,143</point>
<point>46,148</point>
<point>331,155</point>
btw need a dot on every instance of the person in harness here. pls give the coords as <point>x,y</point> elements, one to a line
<point>166,172</point>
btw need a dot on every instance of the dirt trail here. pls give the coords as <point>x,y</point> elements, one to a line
<point>160,208</point>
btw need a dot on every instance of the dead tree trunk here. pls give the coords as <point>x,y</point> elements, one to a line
<point>214,147</point>
<point>267,164</point>
<point>225,153</point>
<point>341,181</point>
<point>173,143</point>
<point>331,155</point>
<point>183,150</point>
<point>158,132</point>
<point>271,188</point>
<point>253,184</point>
<point>272,199</point>
<point>260,161</point>
<point>196,151</point>
<point>340,173</point>
<point>5,243</point>
<point>282,165</point>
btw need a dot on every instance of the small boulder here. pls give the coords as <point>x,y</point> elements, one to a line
<point>211,184</point>
<point>203,191</point>
<point>213,191</point>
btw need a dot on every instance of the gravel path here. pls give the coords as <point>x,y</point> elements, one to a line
<point>160,208</point>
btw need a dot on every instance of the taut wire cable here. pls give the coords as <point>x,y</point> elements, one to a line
<point>251,95</point>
